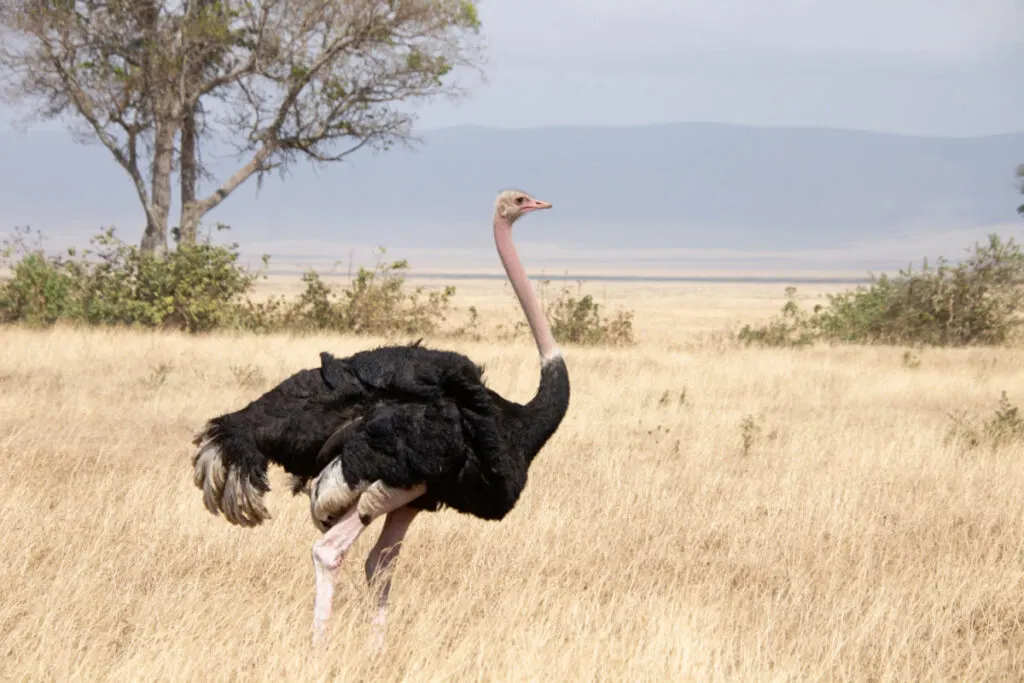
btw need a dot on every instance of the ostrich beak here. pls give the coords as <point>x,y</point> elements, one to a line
<point>534,204</point>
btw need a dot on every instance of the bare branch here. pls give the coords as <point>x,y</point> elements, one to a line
<point>284,79</point>
<point>60,67</point>
<point>256,164</point>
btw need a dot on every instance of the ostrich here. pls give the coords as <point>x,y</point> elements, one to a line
<point>390,431</point>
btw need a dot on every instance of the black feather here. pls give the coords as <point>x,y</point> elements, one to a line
<point>402,415</point>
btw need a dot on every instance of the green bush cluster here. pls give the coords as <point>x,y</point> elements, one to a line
<point>203,287</point>
<point>976,302</point>
<point>578,320</point>
<point>376,301</point>
<point>196,288</point>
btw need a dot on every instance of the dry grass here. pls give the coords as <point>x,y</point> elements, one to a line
<point>846,543</point>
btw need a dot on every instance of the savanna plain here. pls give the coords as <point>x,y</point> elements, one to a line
<point>705,512</point>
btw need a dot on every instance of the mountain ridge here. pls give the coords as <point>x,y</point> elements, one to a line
<point>698,185</point>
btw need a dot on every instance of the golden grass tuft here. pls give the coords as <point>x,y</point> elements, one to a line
<point>705,513</point>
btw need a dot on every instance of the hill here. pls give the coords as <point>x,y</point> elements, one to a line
<point>687,186</point>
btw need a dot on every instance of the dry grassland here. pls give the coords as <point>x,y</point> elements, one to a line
<point>847,543</point>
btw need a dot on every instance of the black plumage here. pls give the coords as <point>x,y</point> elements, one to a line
<point>401,415</point>
<point>388,432</point>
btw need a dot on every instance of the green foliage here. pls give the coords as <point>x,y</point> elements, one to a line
<point>377,301</point>
<point>40,292</point>
<point>202,287</point>
<point>322,79</point>
<point>195,288</point>
<point>468,15</point>
<point>976,302</point>
<point>790,329</point>
<point>577,320</point>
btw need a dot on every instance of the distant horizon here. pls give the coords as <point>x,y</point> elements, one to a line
<point>333,261</point>
<point>723,123</point>
<point>714,196</point>
<point>61,127</point>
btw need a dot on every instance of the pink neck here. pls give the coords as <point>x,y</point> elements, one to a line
<point>521,284</point>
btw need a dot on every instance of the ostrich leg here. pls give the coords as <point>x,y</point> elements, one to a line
<point>380,563</point>
<point>330,549</point>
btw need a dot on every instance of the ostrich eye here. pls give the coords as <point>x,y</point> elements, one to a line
<point>519,200</point>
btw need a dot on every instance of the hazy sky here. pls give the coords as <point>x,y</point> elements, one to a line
<point>947,67</point>
<point>913,66</point>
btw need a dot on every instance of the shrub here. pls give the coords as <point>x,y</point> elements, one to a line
<point>40,292</point>
<point>1005,426</point>
<point>202,287</point>
<point>791,328</point>
<point>577,320</point>
<point>471,328</point>
<point>376,302</point>
<point>199,288</point>
<point>196,288</point>
<point>976,302</point>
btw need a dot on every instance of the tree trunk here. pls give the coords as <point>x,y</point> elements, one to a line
<point>154,240</point>
<point>190,210</point>
<point>190,215</point>
<point>189,223</point>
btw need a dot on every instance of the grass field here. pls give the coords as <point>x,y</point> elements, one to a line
<point>705,512</point>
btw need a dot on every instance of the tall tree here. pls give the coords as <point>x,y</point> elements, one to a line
<point>191,128</point>
<point>280,80</point>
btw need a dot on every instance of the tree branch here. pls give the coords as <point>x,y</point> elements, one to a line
<point>311,79</point>
<point>257,163</point>
<point>86,107</point>
<point>248,66</point>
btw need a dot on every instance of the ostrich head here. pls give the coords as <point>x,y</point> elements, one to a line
<point>511,204</point>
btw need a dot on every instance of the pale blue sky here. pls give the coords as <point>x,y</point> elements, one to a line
<point>928,67</point>
<point>946,67</point>
<point>934,67</point>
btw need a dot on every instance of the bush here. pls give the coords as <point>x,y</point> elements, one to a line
<point>1004,427</point>
<point>198,288</point>
<point>195,288</point>
<point>577,320</point>
<point>790,328</point>
<point>202,287</point>
<point>977,302</point>
<point>40,291</point>
<point>376,302</point>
